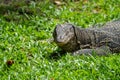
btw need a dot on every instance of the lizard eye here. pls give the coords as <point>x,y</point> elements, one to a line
<point>67,33</point>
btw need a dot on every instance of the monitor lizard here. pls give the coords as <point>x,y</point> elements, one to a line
<point>76,40</point>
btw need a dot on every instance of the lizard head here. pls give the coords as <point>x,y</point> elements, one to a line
<point>63,33</point>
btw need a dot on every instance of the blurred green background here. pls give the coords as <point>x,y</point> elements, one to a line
<point>26,53</point>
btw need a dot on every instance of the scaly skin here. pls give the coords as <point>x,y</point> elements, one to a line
<point>85,41</point>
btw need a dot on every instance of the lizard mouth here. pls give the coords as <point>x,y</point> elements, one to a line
<point>61,43</point>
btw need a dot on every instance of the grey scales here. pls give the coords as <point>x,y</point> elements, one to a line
<point>76,40</point>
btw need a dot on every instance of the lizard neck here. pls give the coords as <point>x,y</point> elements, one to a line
<point>85,36</point>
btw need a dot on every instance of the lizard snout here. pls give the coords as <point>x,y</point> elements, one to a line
<point>61,41</point>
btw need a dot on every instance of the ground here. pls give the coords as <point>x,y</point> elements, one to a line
<point>25,53</point>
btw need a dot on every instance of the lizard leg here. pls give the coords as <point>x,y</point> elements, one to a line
<point>103,50</point>
<point>114,46</point>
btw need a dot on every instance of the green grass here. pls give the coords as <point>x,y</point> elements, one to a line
<point>25,28</point>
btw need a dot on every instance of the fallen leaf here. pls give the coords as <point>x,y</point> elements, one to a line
<point>9,62</point>
<point>58,3</point>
